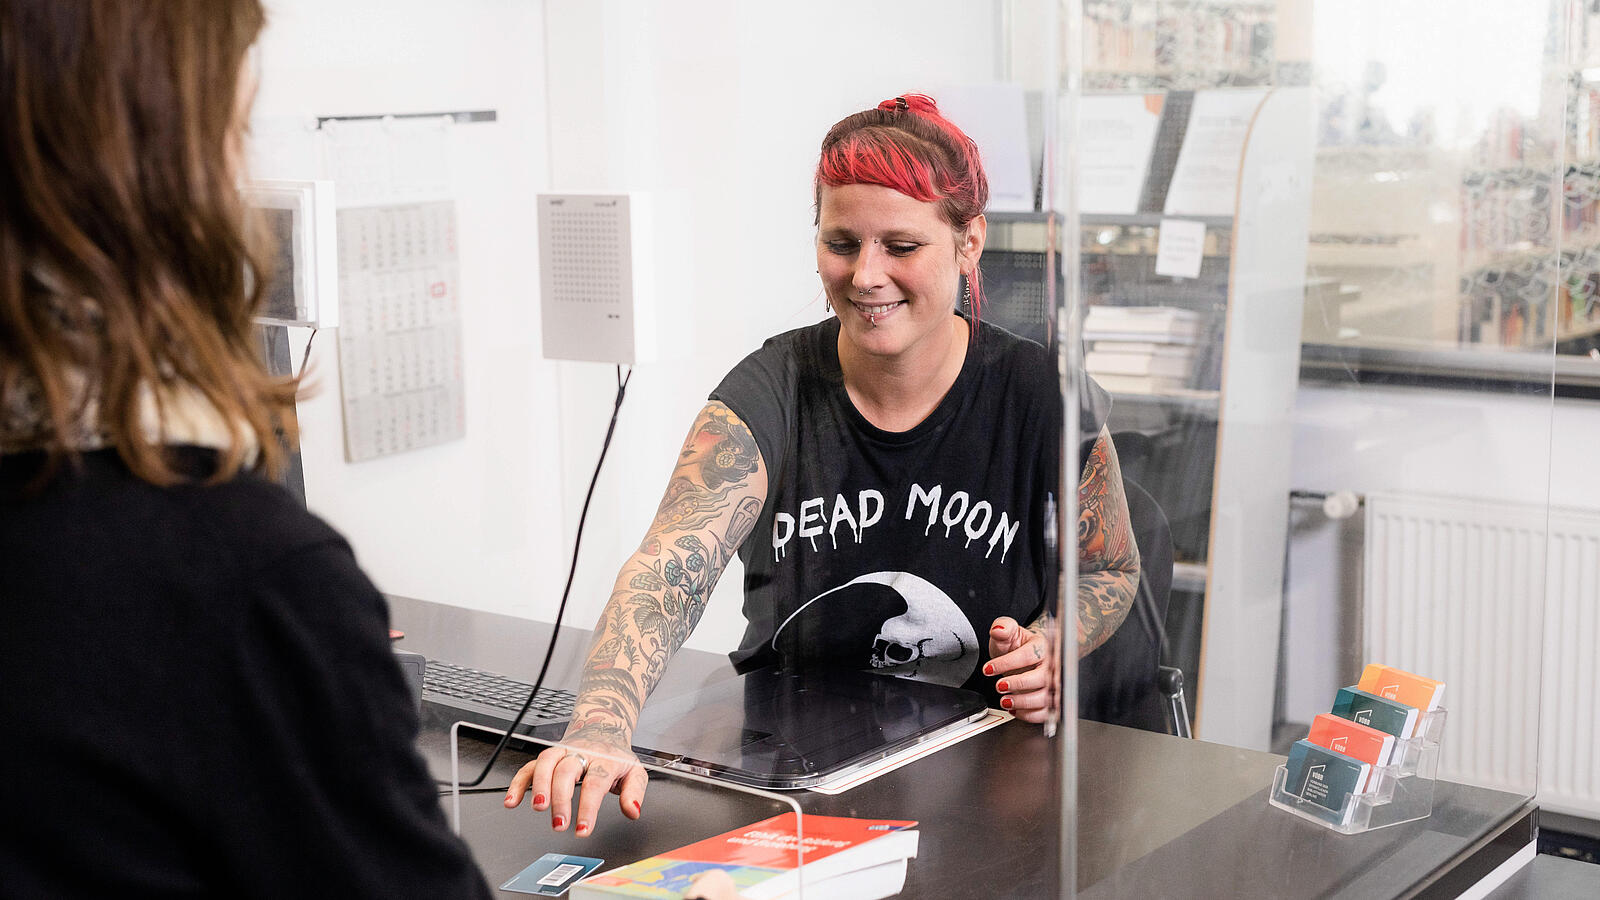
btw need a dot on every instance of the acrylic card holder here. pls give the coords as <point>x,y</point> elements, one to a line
<point>1401,791</point>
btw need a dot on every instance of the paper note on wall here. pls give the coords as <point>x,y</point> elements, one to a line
<point>1116,133</point>
<point>1180,248</point>
<point>995,117</point>
<point>1206,177</point>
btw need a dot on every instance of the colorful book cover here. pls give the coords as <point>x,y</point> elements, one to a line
<point>1381,713</point>
<point>1325,778</point>
<point>1396,684</point>
<point>1351,738</point>
<point>761,858</point>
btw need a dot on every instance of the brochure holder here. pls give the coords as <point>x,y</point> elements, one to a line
<point>1399,792</point>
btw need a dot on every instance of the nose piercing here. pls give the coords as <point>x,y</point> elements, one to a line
<point>863,293</point>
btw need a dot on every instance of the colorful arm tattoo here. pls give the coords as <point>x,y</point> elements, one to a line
<point>1108,558</point>
<point>709,508</point>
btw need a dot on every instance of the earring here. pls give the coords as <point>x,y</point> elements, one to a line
<point>966,296</point>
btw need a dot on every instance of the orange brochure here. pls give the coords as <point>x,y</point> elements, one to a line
<point>1402,686</point>
<point>1352,739</point>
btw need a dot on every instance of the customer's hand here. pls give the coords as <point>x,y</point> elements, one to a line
<point>1023,662</point>
<point>713,884</point>
<point>589,766</point>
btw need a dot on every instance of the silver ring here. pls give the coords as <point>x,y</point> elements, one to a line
<point>583,759</point>
<point>865,292</point>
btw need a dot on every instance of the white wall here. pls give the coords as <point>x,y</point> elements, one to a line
<point>1497,448</point>
<point>715,108</point>
<point>471,521</point>
<point>1488,446</point>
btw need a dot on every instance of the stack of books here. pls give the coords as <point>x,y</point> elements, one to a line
<point>1363,733</point>
<point>845,859</point>
<point>1141,349</point>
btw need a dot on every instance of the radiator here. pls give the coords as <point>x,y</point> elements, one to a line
<point>1498,600</point>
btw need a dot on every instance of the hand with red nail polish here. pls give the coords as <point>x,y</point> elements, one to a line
<point>1024,661</point>
<point>581,770</point>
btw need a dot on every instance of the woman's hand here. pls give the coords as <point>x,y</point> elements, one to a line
<point>713,884</point>
<point>1024,662</point>
<point>598,766</point>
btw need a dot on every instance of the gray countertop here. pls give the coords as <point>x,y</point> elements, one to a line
<point>1158,816</point>
<point>1551,878</point>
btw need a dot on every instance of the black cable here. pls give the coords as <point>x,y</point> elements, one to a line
<point>555,631</point>
<point>306,356</point>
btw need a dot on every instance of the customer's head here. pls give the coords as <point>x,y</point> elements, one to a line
<point>123,261</point>
<point>904,143</point>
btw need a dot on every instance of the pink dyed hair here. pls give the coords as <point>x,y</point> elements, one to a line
<point>906,145</point>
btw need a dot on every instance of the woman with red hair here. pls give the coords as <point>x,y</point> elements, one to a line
<point>886,476</point>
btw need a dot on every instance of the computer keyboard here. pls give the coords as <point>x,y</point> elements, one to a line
<point>488,698</point>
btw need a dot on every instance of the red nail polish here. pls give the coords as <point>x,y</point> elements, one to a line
<point>1005,702</point>
<point>1002,687</point>
<point>637,808</point>
<point>538,799</point>
<point>583,827</point>
<point>558,822</point>
<point>988,668</point>
<point>998,628</point>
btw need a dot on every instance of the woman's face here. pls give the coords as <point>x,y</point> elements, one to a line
<point>890,265</point>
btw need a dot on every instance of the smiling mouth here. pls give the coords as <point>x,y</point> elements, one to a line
<point>876,311</point>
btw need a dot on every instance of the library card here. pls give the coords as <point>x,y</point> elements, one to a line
<point>551,874</point>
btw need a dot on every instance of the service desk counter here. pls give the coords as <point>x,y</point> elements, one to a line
<point>1158,816</point>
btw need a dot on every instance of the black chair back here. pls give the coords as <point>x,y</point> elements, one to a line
<point>1117,682</point>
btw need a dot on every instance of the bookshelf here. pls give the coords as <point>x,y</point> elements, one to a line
<point>1375,226</point>
<point>1487,239</point>
<point>1181,45</point>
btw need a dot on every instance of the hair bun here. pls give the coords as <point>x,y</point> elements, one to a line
<point>920,103</point>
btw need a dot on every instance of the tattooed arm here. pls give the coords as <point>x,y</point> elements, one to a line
<point>1108,558</point>
<point>1108,578</point>
<point>709,508</point>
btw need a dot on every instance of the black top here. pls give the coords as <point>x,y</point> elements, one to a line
<point>197,697</point>
<point>895,551</point>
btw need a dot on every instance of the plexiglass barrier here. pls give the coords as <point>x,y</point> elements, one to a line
<point>1332,259</point>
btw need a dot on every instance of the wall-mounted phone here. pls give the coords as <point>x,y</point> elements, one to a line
<point>304,286</point>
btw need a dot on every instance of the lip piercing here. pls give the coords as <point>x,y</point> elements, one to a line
<point>874,317</point>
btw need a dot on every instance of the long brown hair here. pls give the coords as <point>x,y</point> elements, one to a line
<point>123,256</point>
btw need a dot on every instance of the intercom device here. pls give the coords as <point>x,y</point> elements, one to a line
<point>596,278</point>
